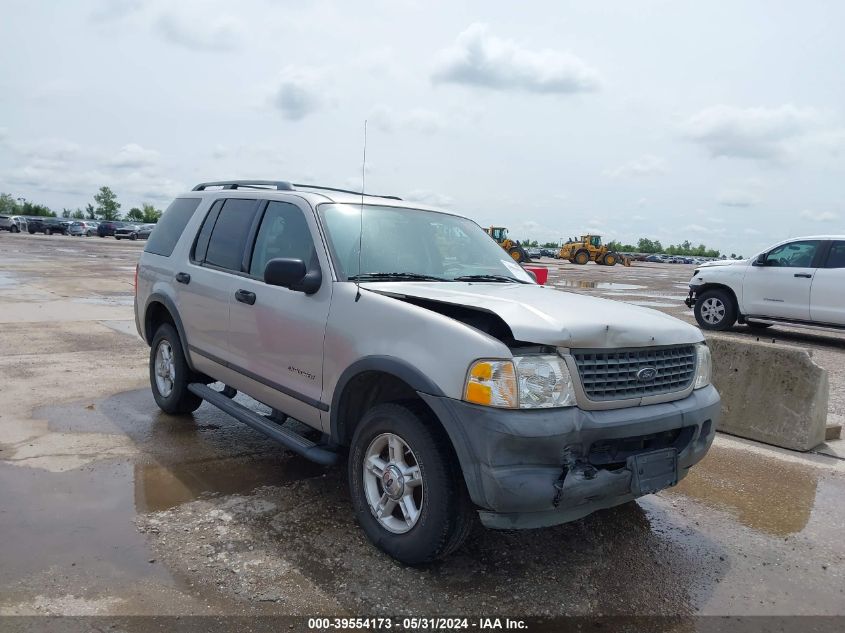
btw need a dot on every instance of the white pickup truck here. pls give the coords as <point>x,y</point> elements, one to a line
<point>800,281</point>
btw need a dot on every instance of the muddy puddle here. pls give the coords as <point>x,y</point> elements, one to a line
<point>767,495</point>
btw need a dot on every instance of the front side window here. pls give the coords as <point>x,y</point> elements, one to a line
<point>283,233</point>
<point>413,243</point>
<point>230,232</point>
<point>793,255</point>
<point>836,257</point>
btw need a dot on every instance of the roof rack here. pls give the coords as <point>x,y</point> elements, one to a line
<point>279,185</point>
<point>357,193</point>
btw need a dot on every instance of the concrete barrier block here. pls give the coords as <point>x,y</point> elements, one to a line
<point>770,393</point>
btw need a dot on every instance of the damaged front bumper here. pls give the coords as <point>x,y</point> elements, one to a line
<point>535,468</point>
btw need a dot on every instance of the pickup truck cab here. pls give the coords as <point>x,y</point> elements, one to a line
<point>405,338</point>
<point>799,281</point>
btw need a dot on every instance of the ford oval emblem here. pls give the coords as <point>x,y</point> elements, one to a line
<point>646,374</point>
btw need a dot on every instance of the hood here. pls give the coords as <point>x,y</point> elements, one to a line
<point>544,316</point>
<point>722,262</point>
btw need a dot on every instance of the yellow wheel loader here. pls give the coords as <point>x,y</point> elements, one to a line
<point>517,253</point>
<point>589,248</point>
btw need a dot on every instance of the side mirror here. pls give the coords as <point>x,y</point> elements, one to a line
<point>292,274</point>
<point>760,261</point>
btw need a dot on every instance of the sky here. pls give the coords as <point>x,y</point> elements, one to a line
<point>720,122</point>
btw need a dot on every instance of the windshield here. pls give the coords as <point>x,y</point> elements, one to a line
<point>411,243</point>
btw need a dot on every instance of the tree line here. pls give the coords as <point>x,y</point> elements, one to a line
<point>645,245</point>
<point>105,207</point>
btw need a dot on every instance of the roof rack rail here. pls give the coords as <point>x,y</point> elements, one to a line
<point>279,185</point>
<point>357,193</point>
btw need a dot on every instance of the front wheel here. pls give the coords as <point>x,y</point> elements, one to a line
<point>14,229</point>
<point>133,236</point>
<point>610,259</point>
<point>715,310</point>
<point>407,489</point>
<point>517,254</point>
<point>48,232</point>
<point>170,374</point>
<point>581,257</point>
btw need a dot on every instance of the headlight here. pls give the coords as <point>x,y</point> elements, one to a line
<point>526,382</point>
<point>703,366</point>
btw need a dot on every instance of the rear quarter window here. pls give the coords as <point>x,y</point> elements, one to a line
<point>169,229</point>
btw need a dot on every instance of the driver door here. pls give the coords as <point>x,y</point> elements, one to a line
<point>780,287</point>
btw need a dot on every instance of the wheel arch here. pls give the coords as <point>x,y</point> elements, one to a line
<point>700,290</point>
<point>160,309</point>
<point>370,381</point>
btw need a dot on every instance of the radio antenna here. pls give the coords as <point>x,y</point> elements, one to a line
<point>361,231</point>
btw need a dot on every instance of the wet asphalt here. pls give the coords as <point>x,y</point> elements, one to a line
<point>108,506</point>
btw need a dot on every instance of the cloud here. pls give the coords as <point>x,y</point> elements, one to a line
<point>480,59</point>
<point>417,120</point>
<point>133,156</point>
<point>767,134</point>
<point>297,94</point>
<point>737,198</point>
<point>218,33</point>
<point>751,231</point>
<point>645,165</point>
<point>818,216</point>
<point>431,198</point>
<point>109,10</point>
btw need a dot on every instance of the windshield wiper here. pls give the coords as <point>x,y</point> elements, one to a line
<point>500,278</point>
<point>396,277</point>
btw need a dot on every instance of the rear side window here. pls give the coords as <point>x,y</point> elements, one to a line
<point>230,232</point>
<point>836,258</point>
<point>201,246</point>
<point>169,229</point>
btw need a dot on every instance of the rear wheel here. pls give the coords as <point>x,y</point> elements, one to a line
<point>715,310</point>
<point>170,374</point>
<point>133,236</point>
<point>14,229</point>
<point>582,257</point>
<point>48,232</point>
<point>407,488</point>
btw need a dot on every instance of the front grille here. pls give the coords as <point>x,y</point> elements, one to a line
<point>612,375</point>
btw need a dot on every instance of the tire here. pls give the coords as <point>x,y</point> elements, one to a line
<point>178,400</point>
<point>610,259</point>
<point>517,254</point>
<point>581,258</point>
<point>32,231</point>
<point>715,310</point>
<point>444,513</point>
<point>48,232</point>
<point>89,234</point>
<point>133,236</point>
<point>14,229</point>
<point>116,237</point>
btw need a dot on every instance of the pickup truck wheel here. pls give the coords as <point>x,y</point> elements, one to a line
<point>407,489</point>
<point>170,374</point>
<point>715,310</point>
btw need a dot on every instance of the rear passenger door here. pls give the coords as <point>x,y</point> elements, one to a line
<point>827,297</point>
<point>216,258</point>
<point>276,334</point>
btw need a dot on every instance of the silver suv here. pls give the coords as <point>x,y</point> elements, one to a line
<point>406,338</point>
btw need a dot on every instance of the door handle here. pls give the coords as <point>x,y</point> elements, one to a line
<point>804,275</point>
<point>183,278</point>
<point>245,296</point>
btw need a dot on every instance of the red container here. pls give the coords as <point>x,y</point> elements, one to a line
<point>541,273</point>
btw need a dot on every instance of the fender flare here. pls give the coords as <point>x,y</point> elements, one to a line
<point>399,368</point>
<point>168,303</point>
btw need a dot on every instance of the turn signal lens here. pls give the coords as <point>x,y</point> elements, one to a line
<point>492,383</point>
<point>703,366</point>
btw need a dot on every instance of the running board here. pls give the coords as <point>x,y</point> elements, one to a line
<point>287,438</point>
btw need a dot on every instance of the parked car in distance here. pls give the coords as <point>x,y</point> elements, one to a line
<point>13,223</point>
<point>656,259</point>
<point>47,226</point>
<point>457,385</point>
<point>85,228</point>
<point>134,231</point>
<point>534,252</point>
<point>108,227</point>
<point>798,281</point>
<point>549,252</point>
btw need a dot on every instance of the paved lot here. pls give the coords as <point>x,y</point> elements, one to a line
<point>108,506</point>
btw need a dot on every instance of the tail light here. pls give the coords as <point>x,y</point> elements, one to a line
<point>136,279</point>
